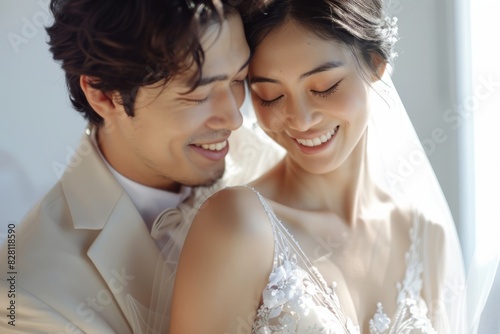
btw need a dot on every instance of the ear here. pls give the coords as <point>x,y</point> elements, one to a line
<point>380,67</point>
<point>104,104</point>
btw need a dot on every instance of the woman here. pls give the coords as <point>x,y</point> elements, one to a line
<point>322,243</point>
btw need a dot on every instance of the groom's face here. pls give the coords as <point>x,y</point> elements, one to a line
<point>181,138</point>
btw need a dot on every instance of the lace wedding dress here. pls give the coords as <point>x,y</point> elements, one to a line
<point>298,300</point>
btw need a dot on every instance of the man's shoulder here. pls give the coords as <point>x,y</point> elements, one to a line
<point>45,235</point>
<point>46,254</point>
<point>51,207</point>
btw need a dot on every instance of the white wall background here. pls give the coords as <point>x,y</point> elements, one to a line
<point>486,83</point>
<point>37,122</point>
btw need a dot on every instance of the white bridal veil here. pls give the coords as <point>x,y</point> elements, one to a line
<point>400,165</point>
<point>405,170</point>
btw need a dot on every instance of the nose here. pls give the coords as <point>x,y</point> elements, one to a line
<point>226,112</point>
<point>301,115</point>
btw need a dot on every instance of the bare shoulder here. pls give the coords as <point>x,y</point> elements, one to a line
<point>427,228</point>
<point>434,235</point>
<point>232,227</point>
<point>233,221</point>
<point>431,235</point>
<point>236,209</point>
<point>409,217</point>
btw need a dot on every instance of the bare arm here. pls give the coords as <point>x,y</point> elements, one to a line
<point>224,265</point>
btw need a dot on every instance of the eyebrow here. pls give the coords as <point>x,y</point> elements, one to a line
<point>222,77</point>
<point>322,68</point>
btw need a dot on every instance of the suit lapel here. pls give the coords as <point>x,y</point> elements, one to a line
<point>129,261</point>
<point>124,252</point>
<point>89,187</point>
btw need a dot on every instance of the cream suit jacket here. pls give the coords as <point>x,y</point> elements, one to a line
<point>84,257</point>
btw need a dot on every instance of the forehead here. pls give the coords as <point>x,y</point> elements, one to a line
<point>293,47</point>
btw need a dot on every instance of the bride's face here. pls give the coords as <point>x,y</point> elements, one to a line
<point>309,96</point>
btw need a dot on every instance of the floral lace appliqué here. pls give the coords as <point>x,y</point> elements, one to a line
<point>298,300</point>
<point>291,304</point>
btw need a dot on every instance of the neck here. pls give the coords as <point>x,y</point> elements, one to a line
<point>345,191</point>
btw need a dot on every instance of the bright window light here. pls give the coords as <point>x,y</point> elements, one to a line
<point>485,104</point>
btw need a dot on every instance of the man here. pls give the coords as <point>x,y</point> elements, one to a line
<point>161,83</point>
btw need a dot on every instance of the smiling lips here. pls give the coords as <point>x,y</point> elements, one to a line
<point>214,146</point>
<point>213,151</point>
<point>318,140</point>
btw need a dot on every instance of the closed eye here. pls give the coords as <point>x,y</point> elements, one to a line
<point>201,101</point>
<point>198,101</point>
<point>327,92</point>
<point>269,103</point>
<point>239,82</point>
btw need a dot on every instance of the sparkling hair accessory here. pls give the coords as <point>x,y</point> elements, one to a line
<point>390,31</point>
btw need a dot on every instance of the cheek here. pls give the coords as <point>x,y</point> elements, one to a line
<point>160,130</point>
<point>352,106</point>
<point>153,139</point>
<point>358,106</point>
<point>271,119</point>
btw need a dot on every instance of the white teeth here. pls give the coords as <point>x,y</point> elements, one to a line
<point>214,147</point>
<point>318,140</point>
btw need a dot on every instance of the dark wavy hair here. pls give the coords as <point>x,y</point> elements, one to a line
<point>360,24</point>
<point>126,44</point>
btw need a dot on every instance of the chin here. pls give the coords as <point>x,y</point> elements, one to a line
<point>208,179</point>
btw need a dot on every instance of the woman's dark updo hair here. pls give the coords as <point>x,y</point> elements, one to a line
<point>360,24</point>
